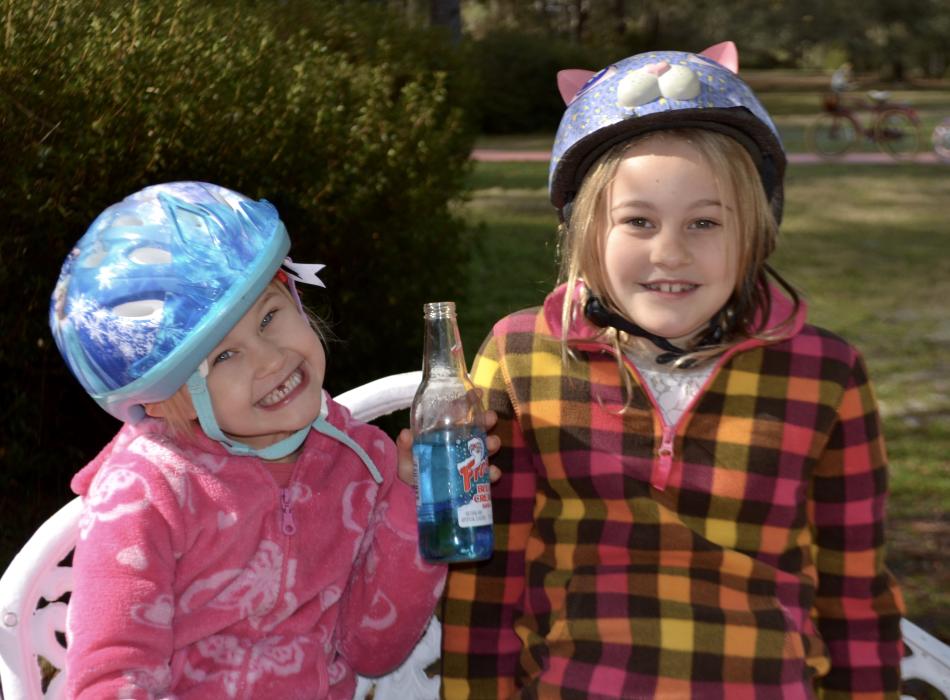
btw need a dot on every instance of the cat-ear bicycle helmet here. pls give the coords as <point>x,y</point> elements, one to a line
<point>654,91</point>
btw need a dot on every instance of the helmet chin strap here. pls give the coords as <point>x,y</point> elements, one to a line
<point>600,315</point>
<point>288,273</point>
<point>201,398</point>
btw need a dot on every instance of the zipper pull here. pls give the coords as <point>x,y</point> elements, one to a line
<point>665,453</point>
<point>287,524</point>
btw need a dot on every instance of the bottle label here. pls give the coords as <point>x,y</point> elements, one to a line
<point>452,481</point>
<point>473,471</point>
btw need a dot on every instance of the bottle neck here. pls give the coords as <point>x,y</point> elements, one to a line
<point>443,353</point>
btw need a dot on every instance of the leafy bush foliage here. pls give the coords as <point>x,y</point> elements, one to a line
<point>347,121</point>
<point>517,79</point>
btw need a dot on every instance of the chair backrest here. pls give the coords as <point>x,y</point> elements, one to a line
<point>34,590</point>
<point>33,609</point>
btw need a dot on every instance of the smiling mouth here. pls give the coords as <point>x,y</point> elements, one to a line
<point>670,287</point>
<point>284,390</point>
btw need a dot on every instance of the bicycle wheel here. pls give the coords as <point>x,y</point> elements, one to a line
<point>897,134</point>
<point>941,139</point>
<point>832,134</point>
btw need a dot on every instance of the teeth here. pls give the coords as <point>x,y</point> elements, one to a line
<point>293,381</point>
<point>671,288</point>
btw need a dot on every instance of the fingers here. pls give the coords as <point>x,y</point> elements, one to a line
<point>405,467</point>
<point>493,443</point>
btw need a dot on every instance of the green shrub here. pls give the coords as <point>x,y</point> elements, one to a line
<point>349,122</point>
<point>517,79</point>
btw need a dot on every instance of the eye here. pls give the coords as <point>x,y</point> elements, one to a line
<point>222,356</point>
<point>704,224</point>
<point>268,317</point>
<point>638,222</point>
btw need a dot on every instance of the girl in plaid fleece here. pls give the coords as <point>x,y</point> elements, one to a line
<point>695,478</point>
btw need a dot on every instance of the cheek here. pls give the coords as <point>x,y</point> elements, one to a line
<point>224,383</point>
<point>730,264</point>
<point>622,256</point>
<point>311,349</point>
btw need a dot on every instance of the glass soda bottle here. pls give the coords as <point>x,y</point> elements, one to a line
<point>453,496</point>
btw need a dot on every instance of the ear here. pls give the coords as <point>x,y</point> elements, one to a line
<point>155,410</point>
<point>179,404</point>
<point>570,81</point>
<point>725,54</point>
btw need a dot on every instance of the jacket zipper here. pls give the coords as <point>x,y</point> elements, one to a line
<point>665,453</point>
<point>287,523</point>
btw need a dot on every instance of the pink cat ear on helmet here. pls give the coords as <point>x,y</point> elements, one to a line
<point>570,81</point>
<point>725,54</point>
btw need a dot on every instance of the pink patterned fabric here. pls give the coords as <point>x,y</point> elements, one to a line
<point>197,576</point>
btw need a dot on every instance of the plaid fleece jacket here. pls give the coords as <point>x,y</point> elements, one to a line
<point>736,554</point>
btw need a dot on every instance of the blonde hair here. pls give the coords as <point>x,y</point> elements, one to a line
<point>178,412</point>
<point>582,241</point>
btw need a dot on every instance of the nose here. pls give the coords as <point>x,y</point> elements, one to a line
<point>267,356</point>
<point>669,249</point>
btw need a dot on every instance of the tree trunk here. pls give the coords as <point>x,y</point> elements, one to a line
<point>580,20</point>
<point>446,13</point>
<point>652,26</point>
<point>620,19</point>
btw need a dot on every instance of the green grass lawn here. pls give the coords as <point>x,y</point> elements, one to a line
<point>870,247</point>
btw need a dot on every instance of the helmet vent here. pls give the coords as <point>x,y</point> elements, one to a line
<point>150,256</point>
<point>126,220</point>
<point>140,309</point>
<point>94,258</point>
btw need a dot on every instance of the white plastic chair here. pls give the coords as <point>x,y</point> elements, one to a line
<point>33,615</point>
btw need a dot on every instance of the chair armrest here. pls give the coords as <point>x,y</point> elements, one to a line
<point>929,660</point>
<point>381,396</point>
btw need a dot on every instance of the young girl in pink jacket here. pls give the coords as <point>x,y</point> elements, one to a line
<point>243,536</point>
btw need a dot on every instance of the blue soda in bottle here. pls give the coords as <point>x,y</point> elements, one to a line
<point>453,496</point>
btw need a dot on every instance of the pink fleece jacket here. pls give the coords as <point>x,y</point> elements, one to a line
<point>197,576</point>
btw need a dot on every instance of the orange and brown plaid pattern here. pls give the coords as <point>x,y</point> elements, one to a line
<point>738,554</point>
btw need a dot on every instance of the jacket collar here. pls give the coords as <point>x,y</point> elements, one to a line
<point>155,428</point>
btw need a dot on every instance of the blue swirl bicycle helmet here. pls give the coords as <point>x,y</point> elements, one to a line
<point>155,283</point>
<point>661,90</point>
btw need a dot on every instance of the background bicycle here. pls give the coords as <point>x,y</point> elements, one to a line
<point>941,139</point>
<point>894,127</point>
